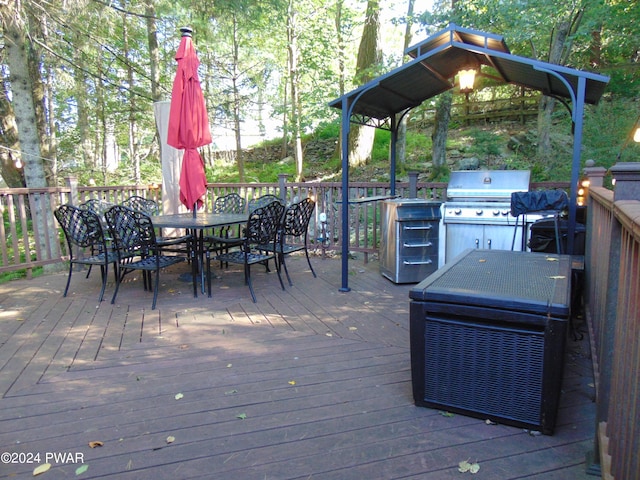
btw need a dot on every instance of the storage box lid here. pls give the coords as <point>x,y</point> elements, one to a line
<point>525,282</point>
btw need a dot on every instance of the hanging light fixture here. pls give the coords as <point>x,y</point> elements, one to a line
<point>467,77</point>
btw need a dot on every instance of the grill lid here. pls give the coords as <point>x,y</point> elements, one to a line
<point>487,185</point>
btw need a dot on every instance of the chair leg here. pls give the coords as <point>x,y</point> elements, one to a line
<point>280,276</point>
<point>118,280</point>
<point>208,256</point>
<point>306,252</point>
<point>282,263</point>
<point>155,288</point>
<point>104,271</point>
<point>247,280</point>
<point>66,289</point>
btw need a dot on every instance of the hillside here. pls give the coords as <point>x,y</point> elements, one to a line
<point>505,145</point>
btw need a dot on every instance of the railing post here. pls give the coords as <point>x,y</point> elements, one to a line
<point>282,185</point>
<point>413,184</point>
<point>627,181</point>
<point>72,184</point>
<point>595,175</point>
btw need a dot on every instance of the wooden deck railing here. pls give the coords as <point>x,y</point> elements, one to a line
<point>612,304</point>
<point>21,252</point>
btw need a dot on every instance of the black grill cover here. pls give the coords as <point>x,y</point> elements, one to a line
<point>538,201</point>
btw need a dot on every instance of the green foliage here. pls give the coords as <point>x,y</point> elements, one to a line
<point>484,143</point>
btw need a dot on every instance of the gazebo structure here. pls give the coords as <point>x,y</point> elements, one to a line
<point>384,101</point>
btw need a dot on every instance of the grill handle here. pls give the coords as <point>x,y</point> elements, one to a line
<point>420,227</point>
<point>417,245</point>
<point>417,262</point>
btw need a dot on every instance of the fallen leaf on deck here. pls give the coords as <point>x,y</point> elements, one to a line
<point>179,396</point>
<point>229,365</point>
<point>95,443</point>
<point>557,277</point>
<point>171,439</point>
<point>353,328</point>
<point>329,334</point>
<point>465,466</point>
<point>241,416</point>
<point>446,414</point>
<point>231,392</point>
<point>81,469</point>
<point>41,469</point>
<point>292,382</point>
<point>552,259</point>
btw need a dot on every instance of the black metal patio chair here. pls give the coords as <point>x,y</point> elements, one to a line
<point>142,204</point>
<point>137,248</point>
<point>262,201</point>
<point>262,227</point>
<point>96,205</point>
<point>84,232</point>
<point>221,241</point>
<point>179,244</point>
<point>293,234</point>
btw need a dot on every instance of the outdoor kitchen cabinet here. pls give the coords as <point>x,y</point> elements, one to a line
<point>487,336</point>
<point>461,237</point>
<point>409,239</point>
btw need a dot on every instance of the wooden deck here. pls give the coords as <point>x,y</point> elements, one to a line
<point>309,383</point>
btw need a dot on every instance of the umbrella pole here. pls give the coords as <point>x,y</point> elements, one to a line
<point>195,205</point>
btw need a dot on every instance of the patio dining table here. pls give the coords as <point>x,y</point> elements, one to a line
<point>197,225</point>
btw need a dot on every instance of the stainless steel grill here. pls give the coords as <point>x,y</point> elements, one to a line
<point>477,213</point>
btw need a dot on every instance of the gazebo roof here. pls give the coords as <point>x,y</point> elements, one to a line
<point>436,61</point>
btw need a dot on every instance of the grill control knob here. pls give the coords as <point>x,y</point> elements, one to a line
<point>479,212</point>
<point>496,213</point>
<point>506,212</point>
<point>457,211</point>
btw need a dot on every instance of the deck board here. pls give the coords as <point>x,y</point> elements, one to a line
<point>321,379</point>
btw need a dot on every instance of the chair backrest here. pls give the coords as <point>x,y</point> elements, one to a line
<point>231,203</point>
<point>262,201</point>
<point>141,204</point>
<point>263,223</point>
<point>81,227</point>
<point>297,216</point>
<point>132,231</point>
<point>96,205</point>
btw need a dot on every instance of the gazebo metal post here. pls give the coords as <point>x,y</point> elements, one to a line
<point>346,128</point>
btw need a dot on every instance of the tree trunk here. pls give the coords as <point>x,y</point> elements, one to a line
<point>11,174</point>
<point>154,51</point>
<point>547,104</point>
<point>401,142</point>
<point>440,133</point>
<point>134,158</point>
<point>369,56</point>
<point>292,37</point>
<point>237,100</point>
<point>17,59</point>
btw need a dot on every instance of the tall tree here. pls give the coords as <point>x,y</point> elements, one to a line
<point>294,78</point>
<point>401,145</point>
<point>17,58</point>
<point>369,58</point>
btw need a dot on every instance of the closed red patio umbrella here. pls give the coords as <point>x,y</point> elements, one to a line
<point>189,123</point>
